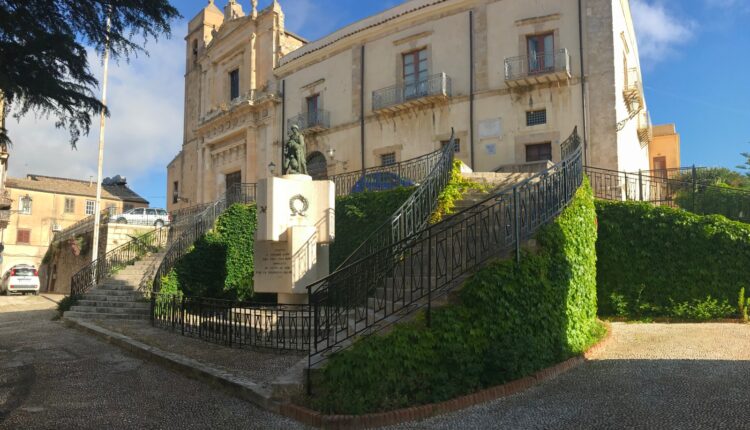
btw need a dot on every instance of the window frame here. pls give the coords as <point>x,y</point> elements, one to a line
<point>416,87</point>
<point>70,205</point>
<point>27,233</point>
<point>176,192</point>
<point>387,157</point>
<point>536,66</point>
<point>538,156</point>
<point>234,84</point>
<point>23,208</point>
<point>91,211</point>
<point>312,115</point>
<point>530,116</point>
<point>443,144</point>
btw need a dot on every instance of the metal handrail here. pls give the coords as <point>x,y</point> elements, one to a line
<point>548,62</point>
<point>435,85</point>
<point>415,212</point>
<point>188,231</point>
<point>397,280</point>
<point>103,268</point>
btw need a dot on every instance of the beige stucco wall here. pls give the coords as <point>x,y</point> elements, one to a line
<point>247,139</point>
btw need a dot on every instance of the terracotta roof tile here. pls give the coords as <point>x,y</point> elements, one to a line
<point>75,187</point>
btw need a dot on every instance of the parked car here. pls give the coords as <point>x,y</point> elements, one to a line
<point>20,279</point>
<point>381,181</point>
<point>144,216</point>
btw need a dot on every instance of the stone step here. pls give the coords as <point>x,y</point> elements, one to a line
<point>115,304</point>
<point>117,287</point>
<point>110,310</point>
<point>97,292</point>
<point>93,316</point>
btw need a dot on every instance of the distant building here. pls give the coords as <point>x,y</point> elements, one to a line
<point>664,151</point>
<point>513,78</point>
<point>44,205</point>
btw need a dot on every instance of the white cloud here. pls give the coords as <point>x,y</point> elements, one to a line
<point>144,131</point>
<point>660,31</point>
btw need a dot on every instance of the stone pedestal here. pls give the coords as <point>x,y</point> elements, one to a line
<point>295,228</point>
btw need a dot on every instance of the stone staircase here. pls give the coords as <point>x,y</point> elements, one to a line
<point>118,297</point>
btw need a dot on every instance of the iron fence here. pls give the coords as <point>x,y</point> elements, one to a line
<point>395,281</point>
<point>102,268</point>
<point>435,85</point>
<point>191,228</point>
<point>415,212</point>
<point>659,188</point>
<point>234,324</point>
<point>547,62</point>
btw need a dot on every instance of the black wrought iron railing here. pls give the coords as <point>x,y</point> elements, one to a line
<point>397,280</point>
<point>83,226</point>
<point>191,228</point>
<point>435,85</point>
<point>676,188</point>
<point>405,173</point>
<point>234,324</point>
<point>415,212</point>
<point>316,119</point>
<point>525,66</point>
<point>104,267</point>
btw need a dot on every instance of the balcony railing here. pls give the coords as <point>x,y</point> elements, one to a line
<point>633,90</point>
<point>5,202</point>
<point>537,69</point>
<point>4,218</point>
<point>645,129</point>
<point>313,121</point>
<point>434,88</point>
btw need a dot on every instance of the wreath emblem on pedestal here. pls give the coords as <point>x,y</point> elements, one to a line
<point>299,205</point>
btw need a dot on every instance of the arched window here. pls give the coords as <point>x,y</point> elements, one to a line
<point>317,166</point>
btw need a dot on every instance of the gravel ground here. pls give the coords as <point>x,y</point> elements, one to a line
<point>52,377</point>
<point>258,366</point>
<point>650,376</point>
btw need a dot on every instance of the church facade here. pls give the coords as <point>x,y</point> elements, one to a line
<point>512,77</point>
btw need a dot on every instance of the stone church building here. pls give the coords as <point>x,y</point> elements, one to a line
<point>513,77</point>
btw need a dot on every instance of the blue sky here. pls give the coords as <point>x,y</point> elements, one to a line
<point>694,55</point>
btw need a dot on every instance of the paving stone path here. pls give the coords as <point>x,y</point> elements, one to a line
<point>650,376</point>
<point>52,377</point>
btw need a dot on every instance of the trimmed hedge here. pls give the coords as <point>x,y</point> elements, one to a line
<point>454,191</point>
<point>509,322</point>
<point>220,265</point>
<point>358,215</point>
<point>663,262</point>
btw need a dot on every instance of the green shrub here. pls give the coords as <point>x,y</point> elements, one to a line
<point>663,262</point>
<point>220,264</point>
<point>509,322</point>
<point>453,193</point>
<point>66,303</point>
<point>360,214</point>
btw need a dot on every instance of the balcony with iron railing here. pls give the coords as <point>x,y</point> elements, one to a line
<point>5,201</point>
<point>645,129</point>
<point>544,68</point>
<point>312,121</point>
<point>633,90</point>
<point>4,218</point>
<point>405,96</point>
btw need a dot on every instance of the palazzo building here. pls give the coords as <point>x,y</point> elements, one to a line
<point>512,77</point>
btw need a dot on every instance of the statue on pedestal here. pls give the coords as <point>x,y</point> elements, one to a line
<point>295,162</point>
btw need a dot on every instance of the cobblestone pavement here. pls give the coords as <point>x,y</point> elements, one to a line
<point>52,377</point>
<point>257,366</point>
<point>650,376</point>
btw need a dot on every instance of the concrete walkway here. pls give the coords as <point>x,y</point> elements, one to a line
<point>650,376</point>
<point>52,377</point>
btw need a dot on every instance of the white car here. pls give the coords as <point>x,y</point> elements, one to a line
<point>20,279</point>
<point>144,216</point>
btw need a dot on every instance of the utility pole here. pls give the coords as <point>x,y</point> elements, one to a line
<point>102,123</point>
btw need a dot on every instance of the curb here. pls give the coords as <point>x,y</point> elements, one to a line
<point>418,413</point>
<point>220,379</point>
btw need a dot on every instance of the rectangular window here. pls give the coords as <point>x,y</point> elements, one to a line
<point>539,152</point>
<point>176,192</point>
<point>234,84</point>
<point>541,51</point>
<point>388,159</point>
<point>23,237</point>
<point>536,117</point>
<point>415,74</point>
<point>90,207</point>
<point>70,205</point>
<point>127,206</point>
<point>24,205</point>
<point>312,109</point>
<point>443,143</point>
<point>111,208</point>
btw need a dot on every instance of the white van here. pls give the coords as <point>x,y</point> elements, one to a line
<point>20,279</point>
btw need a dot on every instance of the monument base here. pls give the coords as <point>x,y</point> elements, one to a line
<point>292,299</point>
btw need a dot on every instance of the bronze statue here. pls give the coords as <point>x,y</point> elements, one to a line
<point>295,162</point>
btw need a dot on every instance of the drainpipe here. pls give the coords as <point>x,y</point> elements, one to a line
<point>283,124</point>
<point>584,102</point>
<point>362,105</point>
<point>471,86</point>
